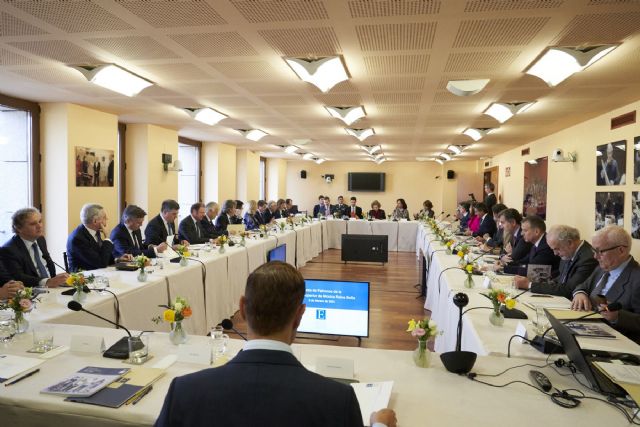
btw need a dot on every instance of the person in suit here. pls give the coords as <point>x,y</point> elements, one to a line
<point>226,217</point>
<point>163,225</point>
<point>473,225</point>
<point>490,199</point>
<point>616,279</point>
<point>400,212</point>
<point>251,217</point>
<point>96,173</point>
<point>496,240</point>
<point>272,306</point>
<point>263,216</point>
<point>25,255</point>
<point>463,215</point>
<point>8,286</point>
<point>341,208</point>
<point>87,249</point>
<point>110,171</point>
<point>515,247</point>
<point>534,232</point>
<point>208,220</point>
<point>273,208</point>
<point>127,237</point>
<point>281,209</point>
<point>327,208</point>
<point>190,228</point>
<point>427,210</point>
<point>576,265</point>
<point>353,211</point>
<point>316,208</point>
<point>376,212</point>
<point>487,224</point>
<point>291,208</point>
<point>239,209</point>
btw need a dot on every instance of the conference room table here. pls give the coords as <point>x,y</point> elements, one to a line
<point>402,234</point>
<point>420,396</point>
<point>445,279</point>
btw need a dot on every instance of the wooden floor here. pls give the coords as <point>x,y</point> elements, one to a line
<point>392,297</point>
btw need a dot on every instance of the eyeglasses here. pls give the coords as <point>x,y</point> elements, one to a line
<point>599,252</point>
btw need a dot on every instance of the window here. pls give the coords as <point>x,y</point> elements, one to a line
<point>19,159</point>
<point>189,177</point>
<point>263,178</point>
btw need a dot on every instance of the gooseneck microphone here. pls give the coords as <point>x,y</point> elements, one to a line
<point>119,350</point>
<point>458,361</point>
<point>228,325</point>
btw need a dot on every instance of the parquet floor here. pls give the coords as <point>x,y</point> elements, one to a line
<point>392,297</point>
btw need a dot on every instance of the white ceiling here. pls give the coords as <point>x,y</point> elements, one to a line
<point>227,54</point>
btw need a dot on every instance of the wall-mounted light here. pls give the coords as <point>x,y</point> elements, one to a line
<point>477,133</point>
<point>206,115</point>
<point>166,161</point>
<point>347,114</point>
<point>114,77</point>
<point>253,134</point>
<point>361,134</point>
<point>558,63</point>
<point>503,111</point>
<point>323,73</point>
<point>466,87</point>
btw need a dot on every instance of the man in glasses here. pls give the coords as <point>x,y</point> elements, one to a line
<point>617,279</point>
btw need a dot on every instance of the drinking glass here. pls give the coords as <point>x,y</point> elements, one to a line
<point>542,323</point>
<point>220,341</point>
<point>7,326</point>
<point>42,338</point>
<point>138,349</point>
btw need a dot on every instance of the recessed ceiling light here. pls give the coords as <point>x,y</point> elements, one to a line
<point>477,133</point>
<point>558,63</point>
<point>502,111</point>
<point>253,134</point>
<point>361,134</point>
<point>207,115</point>
<point>347,114</point>
<point>466,87</point>
<point>115,78</point>
<point>324,73</point>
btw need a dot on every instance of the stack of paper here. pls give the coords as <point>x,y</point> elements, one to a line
<point>12,366</point>
<point>372,397</point>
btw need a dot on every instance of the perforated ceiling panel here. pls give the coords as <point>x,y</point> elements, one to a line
<point>410,36</point>
<point>497,5</point>
<point>303,41</point>
<point>397,98</point>
<point>379,84</point>
<point>58,50</point>
<point>283,100</point>
<point>480,61</point>
<point>498,32</point>
<point>11,58</point>
<point>134,47</point>
<point>215,44</point>
<point>600,28</point>
<point>382,8</point>
<point>392,110</point>
<point>340,99</point>
<point>231,101</point>
<point>245,70</point>
<point>53,75</point>
<point>171,13</point>
<point>396,64</point>
<point>87,16</point>
<point>176,72</point>
<point>278,11</point>
<point>12,26</point>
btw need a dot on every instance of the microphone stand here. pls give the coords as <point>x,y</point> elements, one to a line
<point>458,361</point>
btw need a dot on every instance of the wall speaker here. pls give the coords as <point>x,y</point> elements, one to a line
<point>303,174</point>
<point>451,174</point>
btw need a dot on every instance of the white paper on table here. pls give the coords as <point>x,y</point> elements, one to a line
<point>169,253</point>
<point>11,365</point>
<point>372,397</point>
<point>169,239</point>
<point>629,374</point>
<point>534,301</point>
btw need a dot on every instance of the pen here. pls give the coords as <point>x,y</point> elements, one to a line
<point>143,394</point>
<point>22,377</point>
<point>541,296</point>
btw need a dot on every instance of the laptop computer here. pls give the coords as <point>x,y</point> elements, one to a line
<point>583,359</point>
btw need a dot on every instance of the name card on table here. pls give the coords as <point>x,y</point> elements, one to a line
<point>198,354</point>
<point>521,330</point>
<point>486,283</point>
<point>87,344</point>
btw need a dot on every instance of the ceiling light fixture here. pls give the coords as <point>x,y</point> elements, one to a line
<point>308,156</point>
<point>114,77</point>
<point>290,149</point>
<point>371,149</point>
<point>439,161</point>
<point>445,156</point>
<point>503,111</point>
<point>207,115</point>
<point>378,156</point>
<point>380,161</point>
<point>558,63</point>
<point>477,133</point>
<point>347,114</point>
<point>253,134</point>
<point>361,134</point>
<point>466,87</point>
<point>320,161</point>
<point>323,73</point>
<point>455,149</point>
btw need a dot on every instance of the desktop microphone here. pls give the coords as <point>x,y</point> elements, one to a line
<point>440,222</point>
<point>119,350</point>
<point>48,258</point>
<point>228,325</point>
<point>458,361</point>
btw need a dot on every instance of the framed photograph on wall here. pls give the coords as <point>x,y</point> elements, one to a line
<point>636,160</point>
<point>609,208</point>
<point>611,164</point>
<point>535,187</point>
<point>94,167</point>
<point>635,214</point>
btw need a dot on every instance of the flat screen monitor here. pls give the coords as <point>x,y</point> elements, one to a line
<point>336,308</point>
<point>366,181</point>
<point>279,253</point>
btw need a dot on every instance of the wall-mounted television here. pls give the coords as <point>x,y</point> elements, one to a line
<point>366,181</point>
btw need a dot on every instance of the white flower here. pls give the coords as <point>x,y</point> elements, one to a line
<point>178,307</point>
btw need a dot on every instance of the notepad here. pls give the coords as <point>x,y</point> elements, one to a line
<point>572,314</point>
<point>86,381</point>
<point>11,366</point>
<point>372,397</point>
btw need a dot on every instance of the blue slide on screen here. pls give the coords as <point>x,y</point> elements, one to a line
<point>336,308</point>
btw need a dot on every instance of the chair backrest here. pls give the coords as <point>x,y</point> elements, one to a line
<point>66,261</point>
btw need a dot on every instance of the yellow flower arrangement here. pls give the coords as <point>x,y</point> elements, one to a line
<point>183,251</point>
<point>423,329</point>
<point>177,311</point>
<point>499,297</point>
<point>78,280</point>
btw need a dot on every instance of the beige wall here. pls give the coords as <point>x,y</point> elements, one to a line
<point>277,179</point>
<point>247,175</point>
<point>571,187</point>
<point>219,164</point>
<point>413,181</point>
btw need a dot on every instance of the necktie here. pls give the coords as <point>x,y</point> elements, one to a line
<point>601,284</point>
<point>197,228</point>
<point>353,212</point>
<point>42,271</point>
<point>98,239</point>
<point>565,272</point>
<point>135,239</point>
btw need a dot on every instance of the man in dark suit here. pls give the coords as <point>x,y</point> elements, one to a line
<point>576,266</point>
<point>487,223</point>
<point>516,247</point>
<point>283,393</point>
<point>227,216</point>
<point>208,220</point>
<point>263,216</point>
<point>291,208</point>
<point>327,208</point>
<point>110,171</point>
<point>534,232</point>
<point>316,208</point>
<point>490,198</point>
<point>190,228</point>
<point>353,211</point>
<point>87,249</point>
<point>281,209</point>
<point>26,256</point>
<point>495,240</point>
<point>127,237</point>
<point>463,215</point>
<point>617,279</point>
<point>96,172</point>
<point>8,287</point>
<point>341,208</point>
<point>163,224</point>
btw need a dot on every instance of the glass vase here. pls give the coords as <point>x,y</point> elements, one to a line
<point>222,249</point>
<point>496,318</point>
<point>183,261</point>
<point>422,356</point>
<point>22,324</point>
<point>79,296</point>
<point>243,242</point>
<point>468,282</point>
<point>177,335</point>
<point>142,275</point>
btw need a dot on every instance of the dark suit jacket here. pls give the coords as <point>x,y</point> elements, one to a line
<point>4,275</point>
<point>267,216</point>
<point>490,200</point>
<point>316,210</point>
<point>123,243</point>
<point>487,226</point>
<point>347,212</point>
<point>188,230</point>
<point>281,214</point>
<point>496,241</point>
<point>222,221</point>
<point>156,233</point>
<point>520,247</point>
<point>209,227</point>
<point>464,221</point>
<point>572,274</point>
<point>626,291</point>
<point>342,209</point>
<point>85,254</point>
<point>542,255</point>
<point>377,215</point>
<point>259,388</point>
<point>17,260</point>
